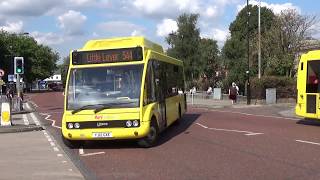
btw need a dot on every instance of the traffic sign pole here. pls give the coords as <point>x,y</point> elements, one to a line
<point>1,82</point>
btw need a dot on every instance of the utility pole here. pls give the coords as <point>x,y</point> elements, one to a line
<point>248,46</point>
<point>259,43</point>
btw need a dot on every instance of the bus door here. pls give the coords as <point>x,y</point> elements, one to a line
<point>160,86</point>
<point>313,89</point>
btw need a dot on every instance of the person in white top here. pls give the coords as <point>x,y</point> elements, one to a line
<point>209,91</point>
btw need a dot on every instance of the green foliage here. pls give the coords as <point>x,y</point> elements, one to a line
<point>235,52</point>
<point>209,56</point>
<point>39,60</point>
<point>63,68</point>
<point>185,45</point>
<point>286,86</point>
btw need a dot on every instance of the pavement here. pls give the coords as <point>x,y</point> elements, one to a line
<point>28,150</point>
<point>284,109</point>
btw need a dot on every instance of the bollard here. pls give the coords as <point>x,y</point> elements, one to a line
<point>192,98</point>
<point>5,114</point>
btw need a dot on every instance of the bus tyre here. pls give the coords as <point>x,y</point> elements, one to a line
<point>151,139</point>
<point>72,144</point>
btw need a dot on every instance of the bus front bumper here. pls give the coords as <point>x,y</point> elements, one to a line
<point>107,133</point>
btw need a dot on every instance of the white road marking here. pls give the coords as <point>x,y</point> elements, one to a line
<point>48,119</point>
<point>81,151</point>
<point>28,106</point>
<point>60,155</point>
<point>247,133</point>
<point>92,154</point>
<point>35,119</point>
<point>52,144</point>
<point>248,114</point>
<point>25,119</point>
<point>308,142</point>
<point>55,149</point>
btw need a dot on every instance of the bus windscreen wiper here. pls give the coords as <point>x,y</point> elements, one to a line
<point>105,106</point>
<point>83,108</point>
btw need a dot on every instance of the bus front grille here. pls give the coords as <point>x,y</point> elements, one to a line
<point>311,104</point>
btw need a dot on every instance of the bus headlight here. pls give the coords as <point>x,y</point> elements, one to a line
<point>135,123</point>
<point>128,123</point>
<point>76,125</point>
<point>70,126</point>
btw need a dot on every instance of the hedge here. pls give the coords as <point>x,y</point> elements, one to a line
<point>286,86</point>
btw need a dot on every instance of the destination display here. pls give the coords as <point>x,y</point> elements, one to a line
<point>107,56</point>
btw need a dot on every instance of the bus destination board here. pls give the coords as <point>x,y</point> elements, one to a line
<point>107,56</point>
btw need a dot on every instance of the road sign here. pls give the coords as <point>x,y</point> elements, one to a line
<point>11,78</point>
<point>1,73</point>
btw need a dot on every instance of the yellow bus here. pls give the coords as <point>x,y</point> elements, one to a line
<point>121,88</point>
<point>308,85</point>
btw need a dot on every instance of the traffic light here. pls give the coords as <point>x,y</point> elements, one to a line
<point>18,65</point>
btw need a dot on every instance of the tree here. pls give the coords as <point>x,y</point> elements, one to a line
<point>39,60</point>
<point>209,56</point>
<point>288,35</point>
<point>234,52</point>
<point>185,45</point>
<point>63,68</point>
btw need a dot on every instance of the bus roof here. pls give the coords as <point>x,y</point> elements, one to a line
<point>311,55</point>
<point>121,42</point>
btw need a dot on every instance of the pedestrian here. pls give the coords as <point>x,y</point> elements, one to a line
<point>233,92</point>
<point>209,91</point>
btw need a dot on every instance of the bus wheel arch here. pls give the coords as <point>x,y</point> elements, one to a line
<point>151,138</point>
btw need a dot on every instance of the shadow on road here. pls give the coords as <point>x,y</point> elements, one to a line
<point>310,122</point>
<point>171,132</point>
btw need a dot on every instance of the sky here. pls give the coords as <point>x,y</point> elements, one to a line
<point>65,25</point>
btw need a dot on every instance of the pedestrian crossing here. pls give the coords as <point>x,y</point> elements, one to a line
<point>25,118</point>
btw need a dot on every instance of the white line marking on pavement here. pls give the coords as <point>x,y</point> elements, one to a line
<point>53,124</point>
<point>248,114</point>
<point>25,119</point>
<point>60,155</point>
<point>28,106</point>
<point>247,133</point>
<point>35,119</point>
<point>55,149</point>
<point>308,142</point>
<point>52,144</point>
<point>81,151</point>
<point>92,154</point>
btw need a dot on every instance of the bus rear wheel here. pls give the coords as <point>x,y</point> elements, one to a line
<point>151,139</point>
<point>72,144</point>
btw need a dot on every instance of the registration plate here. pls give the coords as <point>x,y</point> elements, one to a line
<point>101,134</point>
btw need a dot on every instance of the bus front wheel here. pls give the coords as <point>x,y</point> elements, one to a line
<point>151,138</point>
<point>72,144</point>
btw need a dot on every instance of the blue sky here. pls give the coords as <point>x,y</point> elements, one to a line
<point>67,24</point>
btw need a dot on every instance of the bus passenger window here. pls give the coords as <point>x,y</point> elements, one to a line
<point>302,66</point>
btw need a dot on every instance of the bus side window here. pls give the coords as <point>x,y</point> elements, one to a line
<point>302,66</point>
<point>149,85</point>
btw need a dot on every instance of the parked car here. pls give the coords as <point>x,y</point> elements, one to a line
<point>56,86</point>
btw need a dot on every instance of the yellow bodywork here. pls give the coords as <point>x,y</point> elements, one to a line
<point>144,113</point>
<point>301,106</point>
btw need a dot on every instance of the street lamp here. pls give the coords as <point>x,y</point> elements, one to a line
<point>248,70</point>
<point>259,43</point>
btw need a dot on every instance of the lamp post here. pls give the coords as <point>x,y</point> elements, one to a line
<point>248,46</point>
<point>259,43</point>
